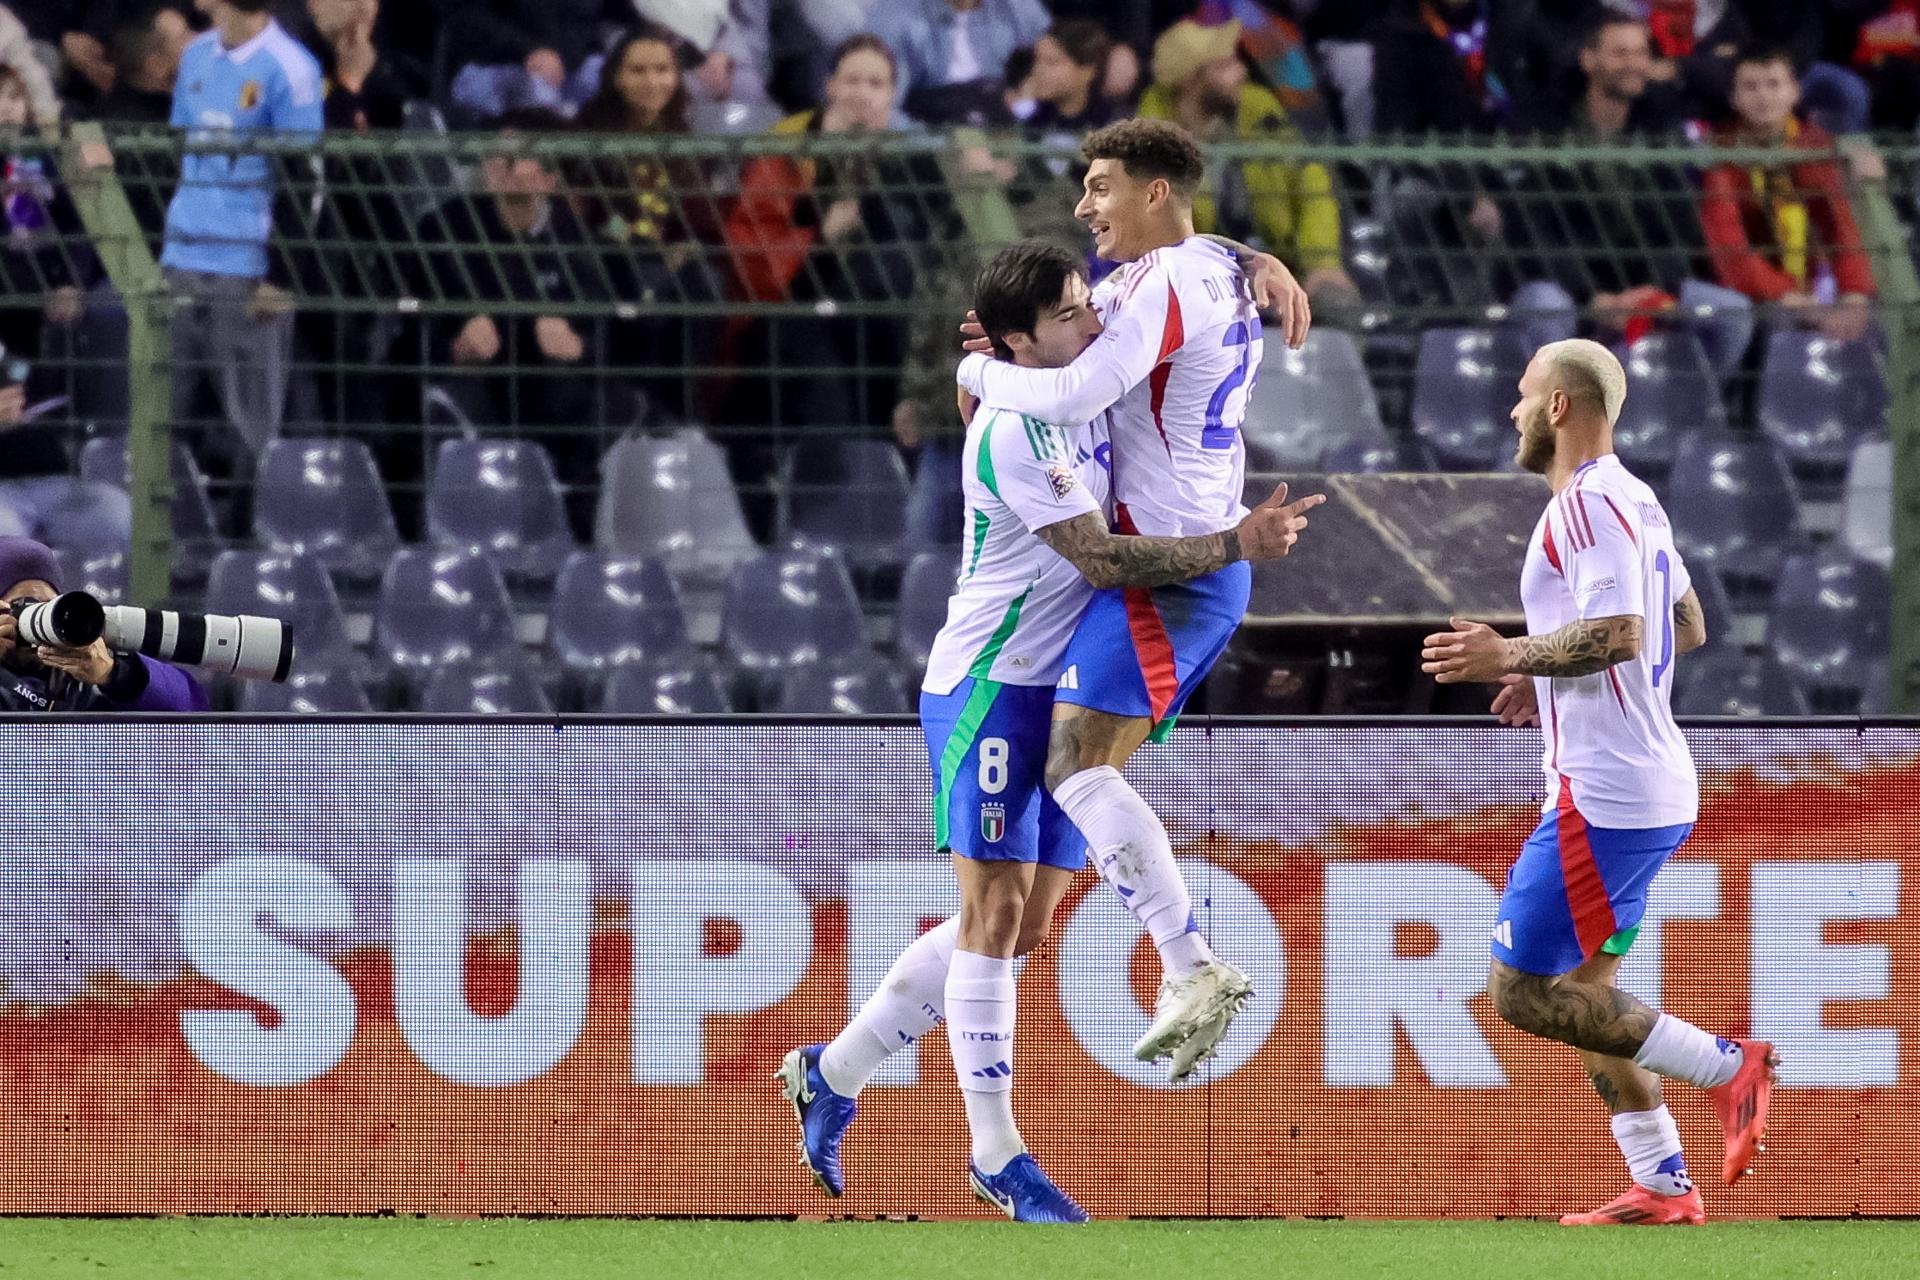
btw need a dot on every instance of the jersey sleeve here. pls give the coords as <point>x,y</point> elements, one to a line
<point>298,103</point>
<point>1602,549</point>
<point>1143,327</point>
<point>1021,462</point>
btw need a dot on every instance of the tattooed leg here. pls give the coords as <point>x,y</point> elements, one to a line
<point>1622,1085</point>
<point>1593,1016</point>
<point>1083,739</point>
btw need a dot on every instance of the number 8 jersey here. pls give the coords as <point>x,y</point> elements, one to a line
<point>1178,356</point>
<point>1604,549</point>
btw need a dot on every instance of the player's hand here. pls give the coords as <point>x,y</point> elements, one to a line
<point>1275,289</point>
<point>1471,653</point>
<point>89,664</point>
<point>1517,703</point>
<point>1270,529</point>
<point>973,336</point>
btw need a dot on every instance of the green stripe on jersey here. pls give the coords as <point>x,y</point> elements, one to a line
<point>981,522</point>
<point>1039,437</point>
<point>984,467</point>
<point>972,715</point>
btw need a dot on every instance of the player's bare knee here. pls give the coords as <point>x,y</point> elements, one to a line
<point>1032,934</point>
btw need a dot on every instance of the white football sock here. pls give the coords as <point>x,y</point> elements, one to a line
<point>1650,1141</point>
<point>980,1017</point>
<point>1682,1051</point>
<point>908,1003</point>
<point>1133,854</point>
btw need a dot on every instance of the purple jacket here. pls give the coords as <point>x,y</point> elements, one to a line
<point>138,683</point>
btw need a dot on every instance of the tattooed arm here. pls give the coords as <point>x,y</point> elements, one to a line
<point>1577,649</point>
<point>1689,623</point>
<point>1474,653</point>
<point>1108,559</point>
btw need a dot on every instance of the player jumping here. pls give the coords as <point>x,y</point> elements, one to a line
<point>985,707</point>
<point>1179,354</point>
<point>1609,606</point>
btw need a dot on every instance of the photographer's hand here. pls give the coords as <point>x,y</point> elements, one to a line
<point>89,664</point>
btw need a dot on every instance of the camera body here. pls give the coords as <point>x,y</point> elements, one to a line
<point>244,645</point>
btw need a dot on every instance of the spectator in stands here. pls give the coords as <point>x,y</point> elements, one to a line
<point>1785,234</point>
<point>146,62</point>
<point>523,53</point>
<point>368,85</point>
<point>1695,43</point>
<point>1276,49</point>
<point>1069,66</point>
<point>87,678</point>
<point>727,86</point>
<point>1886,51</point>
<point>659,215</point>
<point>1290,210</point>
<point>520,243</point>
<point>17,51</point>
<point>1437,68</point>
<point>1616,239</point>
<point>949,53</point>
<point>249,76</point>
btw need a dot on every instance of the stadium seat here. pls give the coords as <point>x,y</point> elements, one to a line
<point>488,688</point>
<point>859,684</point>
<point>1727,682</point>
<point>608,613</point>
<point>1671,390</point>
<point>677,684</point>
<point>294,589</point>
<point>785,611</point>
<point>324,498</point>
<point>1831,616</point>
<point>321,688</point>
<point>86,516</point>
<point>101,574</point>
<point>1310,402</point>
<point>850,496</point>
<point>1818,398</point>
<point>1868,502</point>
<point>195,527</point>
<point>501,497</point>
<point>1463,393</point>
<point>1389,454</point>
<point>922,608</point>
<point>440,607</point>
<point>673,497</point>
<point>1876,688</point>
<point>1733,508</point>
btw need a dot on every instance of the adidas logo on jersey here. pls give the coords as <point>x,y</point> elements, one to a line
<point>1070,678</point>
<point>1504,934</point>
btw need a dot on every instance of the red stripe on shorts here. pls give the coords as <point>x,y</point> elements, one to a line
<point>1154,649</point>
<point>1587,898</point>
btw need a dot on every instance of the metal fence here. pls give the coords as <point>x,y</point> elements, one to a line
<point>782,293</point>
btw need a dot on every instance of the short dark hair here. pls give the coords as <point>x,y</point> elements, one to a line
<point>1021,284</point>
<point>867,42</point>
<point>1084,41</point>
<point>1761,54</point>
<point>251,6</point>
<point>1149,149</point>
<point>1607,22</point>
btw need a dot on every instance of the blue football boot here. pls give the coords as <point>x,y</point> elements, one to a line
<point>823,1115</point>
<point>1025,1193</point>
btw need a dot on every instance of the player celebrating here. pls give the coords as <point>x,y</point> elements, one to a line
<point>985,707</point>
<point>1609,606</point>
<point>1179,353</point>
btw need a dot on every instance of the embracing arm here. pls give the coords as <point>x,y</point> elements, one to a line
<point>1689,623</point>
<point>1108,559</point>
<point>1580,648</point>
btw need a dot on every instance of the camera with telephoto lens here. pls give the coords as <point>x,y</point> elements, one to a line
<point>232,644</point>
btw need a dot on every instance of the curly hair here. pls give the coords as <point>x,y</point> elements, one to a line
<point>1149,149</point>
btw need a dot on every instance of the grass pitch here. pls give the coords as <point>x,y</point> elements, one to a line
<point>432,1249</point>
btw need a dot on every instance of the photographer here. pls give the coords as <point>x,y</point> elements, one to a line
<point>90,678</point>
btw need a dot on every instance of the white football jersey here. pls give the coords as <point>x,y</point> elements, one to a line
<point>1604,549</point>
<point>1180,351</point>
<point>1018,600</point>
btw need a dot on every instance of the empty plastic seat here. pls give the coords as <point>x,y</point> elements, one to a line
<point>1463,395</point>
<point>101,574</point>
<point>1726,682</point>
<point>324,498</point>
<point>501,497</point>
<point>489,688</point>
<point>1310,402</point>
<point>294,589</point>
<point>195,528</point>
<point>788,610</point>
<point>609,613</point>
<point>672,498</point>
<point>1868,502</point>
<point>1671,390</point>
<point>850,495</point>
<point>1831,616</point>
<point>1733,506</point>
<point>1876,689</point>
<point>1387,454</point>
<point>677,684</point>
<point>922,608</point>
<point>84,515</point>
<point>1819,398</point>
<point>318,689</point>
<point>440,607</point>
<point>856,685</point>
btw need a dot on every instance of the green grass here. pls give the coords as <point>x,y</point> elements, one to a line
<point>430,1249</point>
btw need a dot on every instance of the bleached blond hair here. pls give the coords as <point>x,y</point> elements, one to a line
<point>1584,369</point>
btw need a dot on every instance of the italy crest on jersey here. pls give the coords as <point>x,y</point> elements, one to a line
<point>993,822</point>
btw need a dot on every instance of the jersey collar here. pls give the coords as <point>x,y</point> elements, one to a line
<point>241,52</point>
